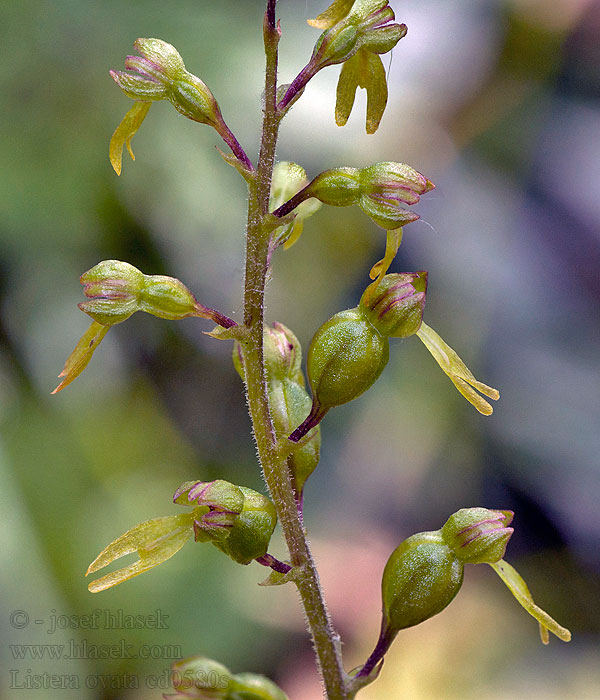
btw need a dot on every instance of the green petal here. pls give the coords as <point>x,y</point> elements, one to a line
<point>123,134</point>
<point>78,360</point>
<point>518,588</point>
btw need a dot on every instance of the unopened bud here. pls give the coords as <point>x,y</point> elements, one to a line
<point>282,353</point>
<point>478,535</point>
<point>420,579</point>
<point>117,290</point>
<point>159,73</point>
<point>395,304</point>
<point>215,494</point>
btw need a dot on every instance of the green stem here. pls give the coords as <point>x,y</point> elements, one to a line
<point>273,460</point>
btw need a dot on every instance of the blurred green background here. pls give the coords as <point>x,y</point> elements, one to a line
<point>497,101</point>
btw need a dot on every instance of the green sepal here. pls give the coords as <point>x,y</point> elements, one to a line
<point>478,535</point>
<point>332,15</point>
<point>395,303</point>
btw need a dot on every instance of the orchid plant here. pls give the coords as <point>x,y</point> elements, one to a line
<point>346,356</point>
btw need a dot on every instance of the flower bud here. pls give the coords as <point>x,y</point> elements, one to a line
<point>282,355</point>
<point>114,289</point>
<point>395,304</point>
<point>200,678</point>
<point>420,579</point>
<point>338,187</point>
<point>251,533</point>
<point>117,290</point>
<point>218,494</point>
<point>478,535</point>
<point>251,686</point>
<point>385,187</point>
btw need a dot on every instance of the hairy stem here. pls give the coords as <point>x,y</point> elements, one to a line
<point>273,460</point>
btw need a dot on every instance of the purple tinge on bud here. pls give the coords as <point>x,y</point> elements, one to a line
<point>143,87</point>
<point>478,535</point>
<point>217,495</point>
<point>386,187</point>
<point>114,291</point>
<point>395,304</point>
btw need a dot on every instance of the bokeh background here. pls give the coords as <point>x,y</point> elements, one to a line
<point>498,102</point>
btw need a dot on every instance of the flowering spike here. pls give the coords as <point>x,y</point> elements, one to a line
<point>459,373</point>
<point>155,541</point>
<point>520,591</point>
<point>78,360</point>
<point>123,134</point>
